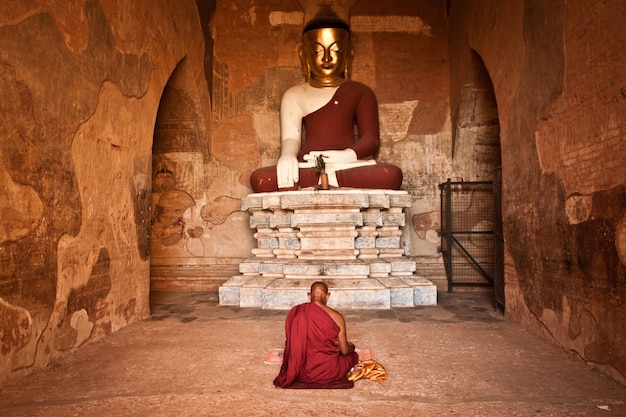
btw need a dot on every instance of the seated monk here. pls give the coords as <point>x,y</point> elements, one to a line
<point>317,352</point>
<point>327,105</point>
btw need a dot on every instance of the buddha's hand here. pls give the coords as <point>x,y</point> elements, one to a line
<point>287,171</point>
<point>287,174</point>
<point>333,157</point>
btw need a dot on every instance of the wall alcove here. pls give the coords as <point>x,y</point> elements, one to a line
<point>471,216</point>
<point>177,183</point>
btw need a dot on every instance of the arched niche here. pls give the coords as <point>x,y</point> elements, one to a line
<point>179,152</point>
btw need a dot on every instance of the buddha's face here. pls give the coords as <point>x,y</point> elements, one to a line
<point>326,54</point>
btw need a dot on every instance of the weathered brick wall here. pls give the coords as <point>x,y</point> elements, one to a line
<point>557,70</point>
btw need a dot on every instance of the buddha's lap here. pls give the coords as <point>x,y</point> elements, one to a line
<point>379,176</point>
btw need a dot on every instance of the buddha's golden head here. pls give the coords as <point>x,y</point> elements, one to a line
<point>326,51</point>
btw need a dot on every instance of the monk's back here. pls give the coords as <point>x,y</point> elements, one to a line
<point>334,314</point>
<point>311,352</point>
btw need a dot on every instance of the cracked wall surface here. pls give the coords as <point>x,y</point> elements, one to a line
<point>80,86</point>
<point>558,80</point>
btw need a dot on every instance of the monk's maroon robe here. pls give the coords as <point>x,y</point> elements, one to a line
<point>311,354</point>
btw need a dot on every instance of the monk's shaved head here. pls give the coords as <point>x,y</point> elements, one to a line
<point>319,286</point>
<point>319,292</point>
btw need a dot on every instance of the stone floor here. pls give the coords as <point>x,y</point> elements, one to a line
<point>195,358</point>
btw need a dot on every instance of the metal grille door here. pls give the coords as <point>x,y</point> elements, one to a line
<point>467,233</point>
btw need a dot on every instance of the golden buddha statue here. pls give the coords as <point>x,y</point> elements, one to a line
<point>328,104</point>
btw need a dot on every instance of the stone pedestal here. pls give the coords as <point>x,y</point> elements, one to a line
<point>350,239</point>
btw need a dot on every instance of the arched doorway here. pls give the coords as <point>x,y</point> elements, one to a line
<point>471,216</point>
<point>178,155</point>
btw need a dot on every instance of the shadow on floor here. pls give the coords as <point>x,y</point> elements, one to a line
<point>462,306</point>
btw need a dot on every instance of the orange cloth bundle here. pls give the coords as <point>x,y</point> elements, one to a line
<point>369,369</point>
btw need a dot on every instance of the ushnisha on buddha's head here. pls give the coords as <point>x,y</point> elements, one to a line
<point>326,51</point>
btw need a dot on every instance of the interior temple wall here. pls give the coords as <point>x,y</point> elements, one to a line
<point>557,71</point>
<point>128,131</point>
<point>80,86</point>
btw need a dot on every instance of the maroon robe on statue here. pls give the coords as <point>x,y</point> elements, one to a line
<point>311,358</point>
<point>331,128</point>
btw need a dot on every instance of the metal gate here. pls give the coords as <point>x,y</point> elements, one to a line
<point>468,237</point>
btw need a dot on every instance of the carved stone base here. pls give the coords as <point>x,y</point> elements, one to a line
<point>350,239</point>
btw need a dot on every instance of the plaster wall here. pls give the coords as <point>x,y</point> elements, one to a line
<point>557,72</point>
<point>80,85</point>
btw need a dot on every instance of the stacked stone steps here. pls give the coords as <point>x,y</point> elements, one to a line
<point>358,284</point>
<point>350,239</point>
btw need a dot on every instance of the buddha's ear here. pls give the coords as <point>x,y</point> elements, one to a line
<point>348,70</point>
<point>306,69</point>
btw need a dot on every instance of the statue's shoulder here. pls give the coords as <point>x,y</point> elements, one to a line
<point>351,88</point>
<point>297,89</point>
<point>356,85</point>
<point>306,96</point>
